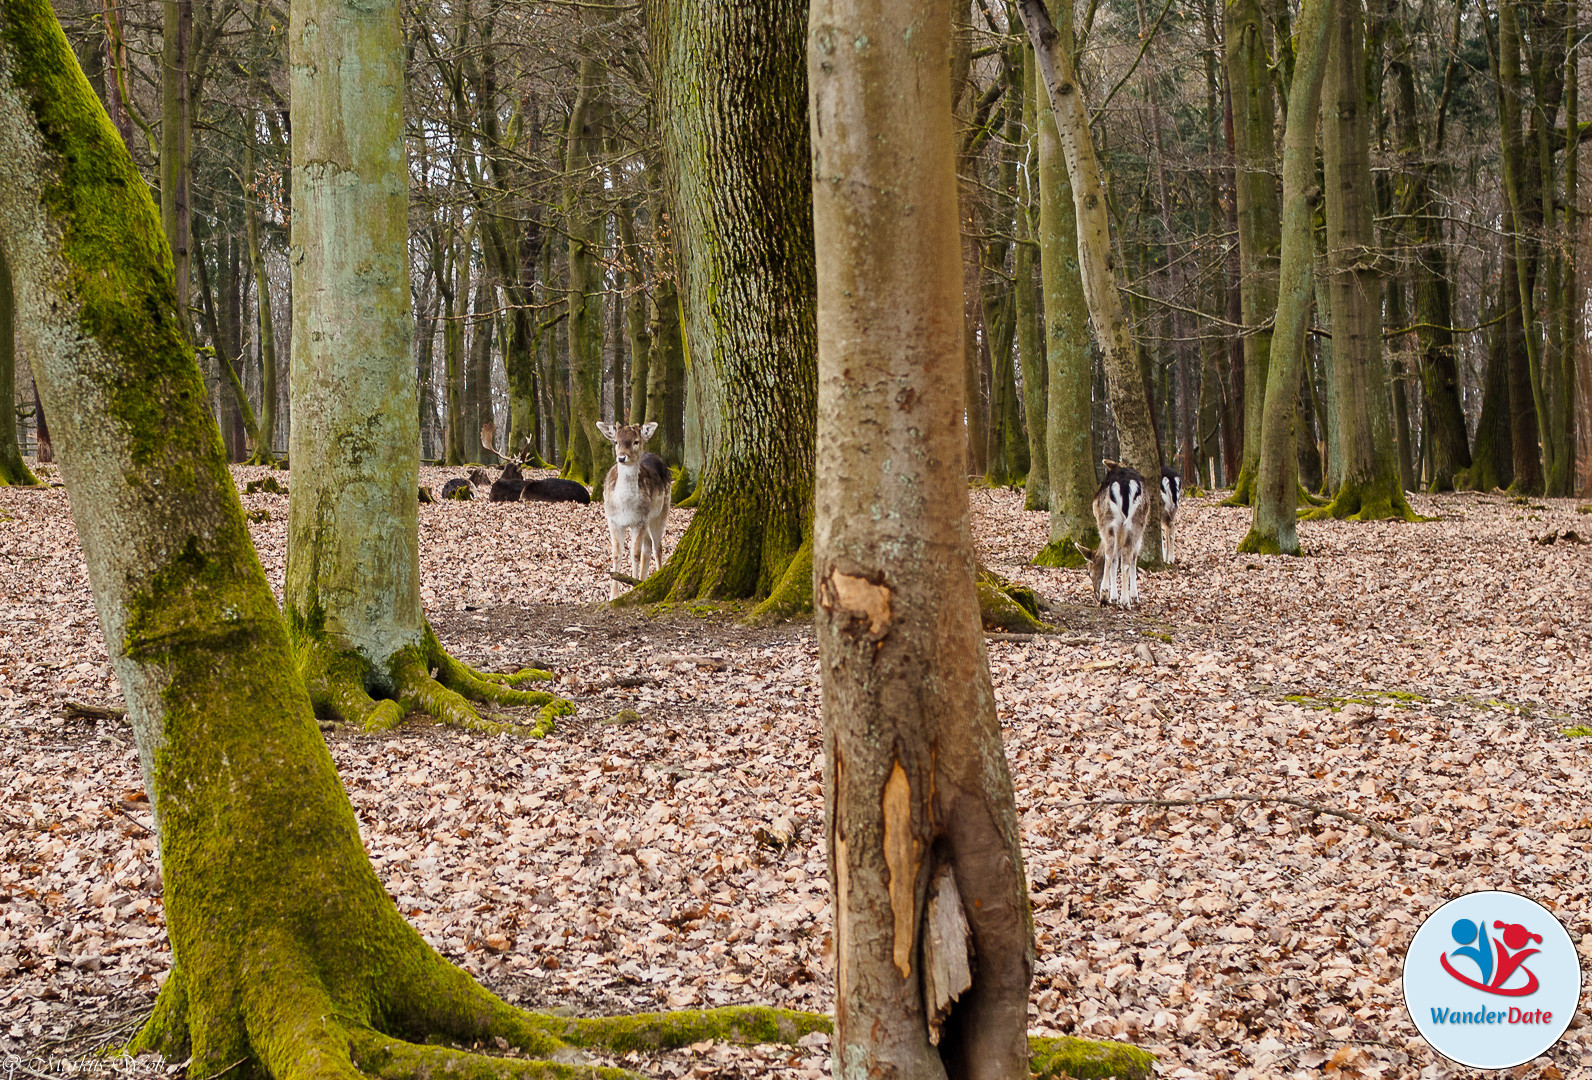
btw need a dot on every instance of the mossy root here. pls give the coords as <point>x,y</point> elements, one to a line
<point>1087,1059</point>
<point>1006,605</point>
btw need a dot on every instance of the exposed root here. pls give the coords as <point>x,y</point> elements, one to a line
<point>1243,489</point>
<point>745,1025</point>
<point>339,682</point>
<point>1006,605</point>
<point>1087,1059</point>
<point>393,1059</point>
<point>1366,500</point>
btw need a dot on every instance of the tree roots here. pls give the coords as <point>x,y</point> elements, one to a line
<point>339,682</point>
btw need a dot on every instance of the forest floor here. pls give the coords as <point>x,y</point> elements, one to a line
<point>1434,679</point>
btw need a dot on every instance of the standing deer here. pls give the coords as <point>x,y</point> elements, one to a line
<point>1121,510</point>
<point>635,499</point>
<point>1171,495</point>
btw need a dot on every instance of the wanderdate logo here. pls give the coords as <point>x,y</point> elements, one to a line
<point>1491,980</point>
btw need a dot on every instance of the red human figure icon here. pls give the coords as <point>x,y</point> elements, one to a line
<point>1515,937</point>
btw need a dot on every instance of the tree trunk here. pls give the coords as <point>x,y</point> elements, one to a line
<point>478,375</point>
<point>265,445</point>
<point>894,569</point>
<point>731,81</point>
<point>455,286</point>
<point>13,470</point>
<point>1130,401</point>
<point>1273,528</point>
<point>1259,227</point>
<point>352,591</point>
<point>1528,402</point>
<point>1447,440</point>
<point>1068,358</point>
<point>1030,343</point>
<point>1370,487</point>
<point>588,454</point>
<point>1492,460</point>
<point>176,123</point>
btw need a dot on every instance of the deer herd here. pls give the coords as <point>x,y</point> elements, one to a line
<point>636,494</point>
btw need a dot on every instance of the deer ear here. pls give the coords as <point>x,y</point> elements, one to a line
<point>1085,552</point>
<point>648,428</point>
<point>607,429</point>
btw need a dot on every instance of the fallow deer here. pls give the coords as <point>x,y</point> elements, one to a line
<point>1121,510</point>
<point>1171,496</point>
<point>635,499</point>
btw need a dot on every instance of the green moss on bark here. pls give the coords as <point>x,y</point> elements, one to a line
<point>1243,488</point>
<point>1360,500</point>
<point>793,596</point>
<point>1063,554</point>
<point>1260,543</point>
<point>340,684</point>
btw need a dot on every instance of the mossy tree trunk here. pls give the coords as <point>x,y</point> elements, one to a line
<point>454,285</point>
<point>732,85</point>
<point>1259,223</point>
<point>1273,528</point>
<point>1068,359</point>
<point>1125,375</point>
<point>13,470</point>
<point>289,959</point>
<point>352,591</point>
<point>1370,487</point>
<point>919,806</point>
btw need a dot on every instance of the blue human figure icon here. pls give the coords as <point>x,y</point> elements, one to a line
<point>1465,932</point>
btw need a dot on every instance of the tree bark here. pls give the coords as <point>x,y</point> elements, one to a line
<point>916,782</point>
<point>13,470</point>
<point>588,455</point>
<point>1068,359</point>
<point>1273,528</point>
<point>731,80</point>
<point>1259,225</point>
<point>1025,264</point>
<point>176,130</point>
<point>352,591</point>
<point>1125,377</point>
<point>1370,487</point>
<point>265,445</point>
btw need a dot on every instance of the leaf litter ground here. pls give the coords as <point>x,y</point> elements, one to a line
<point>1418,693</point>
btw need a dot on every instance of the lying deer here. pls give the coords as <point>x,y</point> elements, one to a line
<point>635,499</point>
<point>511,485</point>
<point>1121,512</point>
<point>1171,495</point>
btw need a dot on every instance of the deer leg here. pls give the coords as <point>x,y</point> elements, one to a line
<point>616,536</point>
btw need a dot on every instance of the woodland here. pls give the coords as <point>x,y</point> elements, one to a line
<point>307,775</point>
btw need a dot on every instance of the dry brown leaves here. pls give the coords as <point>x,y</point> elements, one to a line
<point>1422,677</point>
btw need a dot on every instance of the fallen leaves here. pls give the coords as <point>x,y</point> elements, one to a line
<point>1189,894</point>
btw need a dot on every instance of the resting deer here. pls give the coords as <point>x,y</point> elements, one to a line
<point>635,499</point>
<point>1121,511</point>
<point>1171,496</point>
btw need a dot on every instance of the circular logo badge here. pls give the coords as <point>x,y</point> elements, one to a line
<point>1491,980</point>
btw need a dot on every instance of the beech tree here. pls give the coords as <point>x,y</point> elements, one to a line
<point>933,935</point>
<point>353,583</point>
<point>1125,376</point>
<point>1273,528</point>
<point>289,959</point>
